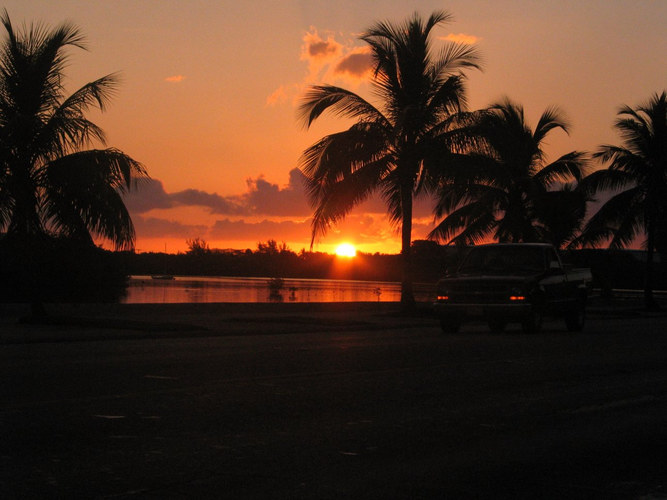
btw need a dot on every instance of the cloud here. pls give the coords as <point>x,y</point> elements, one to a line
<point>265,198</point>
<point>174,79</point>
<point>359,228</point>
<point>328,60</point>
<point>264,211</point>
<point>318,51</point>
<point>214,202</point>
<point>278,96</point>
<point>358,64</point>
<point>227,229</point>
<point>462,38</point>
<point>148,195</point>
<point>261,198</point>
<point>152,227</point>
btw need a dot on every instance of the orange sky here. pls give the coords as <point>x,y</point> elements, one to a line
<point>210,88</point>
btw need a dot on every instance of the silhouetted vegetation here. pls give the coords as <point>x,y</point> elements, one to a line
<point>508,192</point>
<point>56,195</point>
<point>270,259</point>
<point>637,177</point>
<point>420,90</point>
<point>57,269</point>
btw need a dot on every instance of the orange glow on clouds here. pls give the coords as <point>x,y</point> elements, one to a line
<point>174,79</point>
<point>462,38</point>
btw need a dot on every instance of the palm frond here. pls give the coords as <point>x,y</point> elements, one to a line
<point>552,118</point>
<point>335,200</point>
<point>454,57</point>
<point>607,180</point>
<point>449,97</point>
<point>467,225</point>
<point>618,220</point>
<point>342,102</point>
<point>84,191</point>
<point>457,194</point>
<point>571,166</point>
<point>337,155</point>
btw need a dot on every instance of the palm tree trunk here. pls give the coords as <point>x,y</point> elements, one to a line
<point>407,294</point>
<point>649,299</point>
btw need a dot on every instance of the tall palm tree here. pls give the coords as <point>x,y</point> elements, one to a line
<point>419,92</point>
<point>637,172</point>
<point>507,191</point>
<point>50,183</point>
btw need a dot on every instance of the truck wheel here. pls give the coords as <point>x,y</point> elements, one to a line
<point>532,323</point>
<point>497,325</point>
<point>576,318</point>
<point>450,324</point>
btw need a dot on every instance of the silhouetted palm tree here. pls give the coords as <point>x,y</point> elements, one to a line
<point>49,182</point>
<point>507,191</point>
<point>637,172</point>
<point>419,92</point>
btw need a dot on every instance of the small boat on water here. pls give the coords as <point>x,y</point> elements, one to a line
<point>163,276</point>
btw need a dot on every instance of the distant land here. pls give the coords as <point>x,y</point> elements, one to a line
<point>612,269</point>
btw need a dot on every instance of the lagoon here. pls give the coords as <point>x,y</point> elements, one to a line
<point>200,289</point>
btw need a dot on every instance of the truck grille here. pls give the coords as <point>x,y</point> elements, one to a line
<point>483,294</point>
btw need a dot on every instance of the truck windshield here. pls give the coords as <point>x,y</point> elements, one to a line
<point>504,260</point>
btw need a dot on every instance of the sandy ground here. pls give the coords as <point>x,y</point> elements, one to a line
<point>106,321</point>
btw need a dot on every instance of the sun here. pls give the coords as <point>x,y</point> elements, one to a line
<point>346,250</point>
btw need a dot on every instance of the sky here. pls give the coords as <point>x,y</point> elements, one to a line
<point>210,89</point>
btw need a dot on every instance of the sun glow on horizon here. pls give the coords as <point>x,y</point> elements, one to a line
<point>346,250</point>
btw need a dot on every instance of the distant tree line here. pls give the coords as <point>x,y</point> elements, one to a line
<point>611,269</point>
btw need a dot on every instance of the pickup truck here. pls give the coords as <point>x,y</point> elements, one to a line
<point>514,282</point>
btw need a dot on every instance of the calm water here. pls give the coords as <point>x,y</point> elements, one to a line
<point>143,289</point>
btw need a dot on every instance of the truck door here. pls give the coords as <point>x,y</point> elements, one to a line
<point>555,283</point>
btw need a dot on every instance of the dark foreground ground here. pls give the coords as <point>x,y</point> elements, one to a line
<point>338,401</point>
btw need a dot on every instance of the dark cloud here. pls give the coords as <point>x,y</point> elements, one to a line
<point>322,48</point>
<point>267,229</point>
<point>264,198</point>
<point>214,202</point>
<point>147,195</point>
<point>261,198</point>
<point>151,227</point>
<point>356,64</point>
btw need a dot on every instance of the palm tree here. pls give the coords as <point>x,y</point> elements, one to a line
<point>637,172</point>
<point>49,182</point>
<point>387,147</point>
<point>507,191</point>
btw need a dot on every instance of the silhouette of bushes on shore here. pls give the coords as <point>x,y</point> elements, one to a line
<point>54,269</point>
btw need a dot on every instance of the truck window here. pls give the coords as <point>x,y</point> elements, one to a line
<point>508,259</point>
